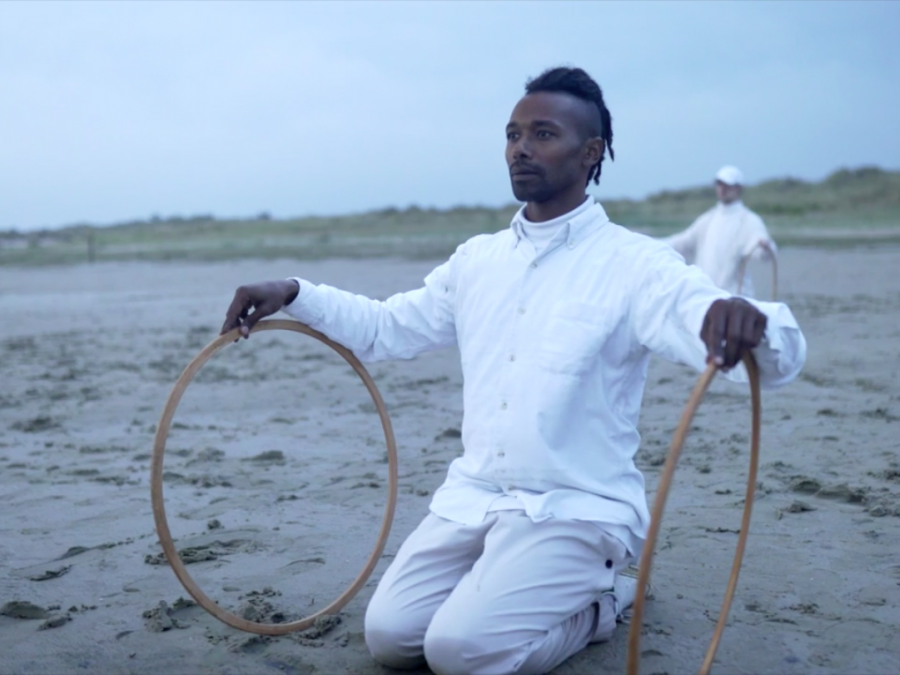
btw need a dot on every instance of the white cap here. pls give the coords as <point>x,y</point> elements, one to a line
<point>730,175</point>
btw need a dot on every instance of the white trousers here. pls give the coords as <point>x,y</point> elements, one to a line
<point>505,596</point>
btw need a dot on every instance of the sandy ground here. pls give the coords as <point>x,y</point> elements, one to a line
<point>276,478</point>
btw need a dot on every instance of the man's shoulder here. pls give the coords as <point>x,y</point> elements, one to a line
<point>752,213</point>
<point>634,245</point>
<point>707,215</point>
<point>751,216</point>
<point>487,242</point>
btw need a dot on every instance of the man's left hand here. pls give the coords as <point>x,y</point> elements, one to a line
<point>731,328</point>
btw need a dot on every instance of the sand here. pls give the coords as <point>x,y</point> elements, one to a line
<point>276,478</point>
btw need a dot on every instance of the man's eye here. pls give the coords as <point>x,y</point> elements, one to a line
<point>544,134</point>
<point>511,135</point>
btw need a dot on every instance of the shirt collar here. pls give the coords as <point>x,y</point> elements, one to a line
<point>578,226</point>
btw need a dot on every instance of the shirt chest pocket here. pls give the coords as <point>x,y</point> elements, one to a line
<point>573,336</point>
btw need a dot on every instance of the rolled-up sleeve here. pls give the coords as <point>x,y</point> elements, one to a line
<point>671,301</point>
<point>404,325</point>
<point>782,353</point>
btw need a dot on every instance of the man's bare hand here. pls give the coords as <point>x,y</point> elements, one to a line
<point>731,328</point>
<point>766,247</point>
<point>264,299</point>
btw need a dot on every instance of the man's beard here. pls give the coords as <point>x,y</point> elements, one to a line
<point>536,189</point>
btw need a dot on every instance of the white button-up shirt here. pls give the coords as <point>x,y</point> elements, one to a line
<point>719,240</point>
<point>555,349</point>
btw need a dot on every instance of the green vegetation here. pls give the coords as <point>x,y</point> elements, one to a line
<point>850,207</point>
<point>849,203</point>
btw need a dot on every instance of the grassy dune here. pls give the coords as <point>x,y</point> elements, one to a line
<point>849,208</point>
<point>852,205</point>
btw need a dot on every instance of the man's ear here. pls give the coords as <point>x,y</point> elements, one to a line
<point>593,148</point>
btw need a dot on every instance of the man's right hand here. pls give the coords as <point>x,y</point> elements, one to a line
<point>264,299</point>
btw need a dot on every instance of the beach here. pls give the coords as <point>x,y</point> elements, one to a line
<point>276,477</point>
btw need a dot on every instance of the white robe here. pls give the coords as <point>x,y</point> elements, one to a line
<point>719,240</point>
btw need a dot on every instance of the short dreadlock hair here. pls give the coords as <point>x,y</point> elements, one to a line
<point>577,83</point>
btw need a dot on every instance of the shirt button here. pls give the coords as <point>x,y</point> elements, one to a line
<point>571,244</point>
<point>521,310</point>
<point>503,405</point>
<point>501,454</point>
<point>534,264</point>
<point>512,357</point>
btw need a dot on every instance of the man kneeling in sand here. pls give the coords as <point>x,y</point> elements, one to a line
<point>519,563</point>
<point>721,239</point>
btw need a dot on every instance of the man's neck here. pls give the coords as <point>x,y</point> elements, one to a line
<point>539,212</point>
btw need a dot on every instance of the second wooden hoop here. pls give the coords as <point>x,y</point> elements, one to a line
<point>662,493</point>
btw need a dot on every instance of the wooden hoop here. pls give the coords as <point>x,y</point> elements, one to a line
<point>662,492</point>
<point>746,260</point>
<point>156,483</point>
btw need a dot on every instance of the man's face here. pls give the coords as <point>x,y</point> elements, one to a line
<point>726,193</point>
<point>548,147</point>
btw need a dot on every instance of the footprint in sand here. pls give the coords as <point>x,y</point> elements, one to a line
<point>275,456</point>
<point>162,617</point>
<point>22,609</point>
<point>51,574</point>
<point>36,424</point>
<point>211,546</point>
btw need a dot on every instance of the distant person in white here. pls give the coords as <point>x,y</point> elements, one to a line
<point>720,239</point>
<point>522,560</point>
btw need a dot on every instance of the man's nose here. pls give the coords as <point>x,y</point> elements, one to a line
<point>521,149</point>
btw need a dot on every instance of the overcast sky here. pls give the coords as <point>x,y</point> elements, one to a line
<point>112,111</point>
